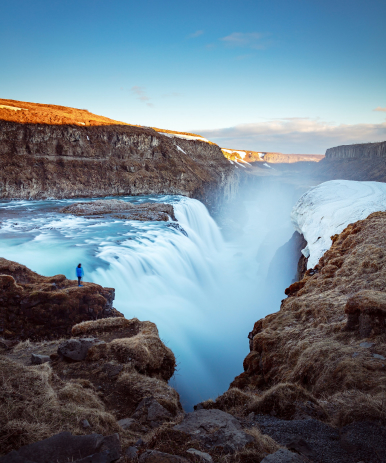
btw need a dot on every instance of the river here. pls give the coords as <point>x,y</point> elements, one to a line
<point>203,293</point>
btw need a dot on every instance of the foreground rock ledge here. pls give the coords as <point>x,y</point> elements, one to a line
<point>37,307</point>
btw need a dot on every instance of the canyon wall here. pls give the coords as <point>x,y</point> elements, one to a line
<point>71,158</point>
<point>358,151</point>
<point>273,158</point>
<point>354,162</point>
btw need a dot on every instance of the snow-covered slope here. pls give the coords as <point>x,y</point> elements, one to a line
<point>329,207</point>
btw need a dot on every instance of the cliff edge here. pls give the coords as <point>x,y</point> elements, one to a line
<point>49,151</point>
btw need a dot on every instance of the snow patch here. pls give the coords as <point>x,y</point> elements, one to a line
<point>14,108</point>
<point>180,149</point>
<point>184,137</point>
<point>266,165</point>
<point>328,208</point>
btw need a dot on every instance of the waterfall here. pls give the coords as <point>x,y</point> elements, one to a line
<point>203,293</point>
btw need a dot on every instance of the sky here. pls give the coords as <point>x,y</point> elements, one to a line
<point>296,76</point>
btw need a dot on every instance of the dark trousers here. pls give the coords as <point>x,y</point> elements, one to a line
<point>79,280</point>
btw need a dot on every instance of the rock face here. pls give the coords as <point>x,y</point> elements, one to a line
<point>215,429</point>
<point>354,162</point>
<point>37,307</point>
<point>65,447</point>
<point>68,159</point>
<point>130,211</point>
<point>359,151</point>
<point>316,339</point>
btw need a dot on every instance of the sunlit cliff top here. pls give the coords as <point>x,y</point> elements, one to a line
<point>36,113</point>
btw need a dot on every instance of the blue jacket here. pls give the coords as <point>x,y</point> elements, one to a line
<point>79,271</point>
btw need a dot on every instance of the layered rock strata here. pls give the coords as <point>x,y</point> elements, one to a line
<point>37,307</point>
<point>360,151</point>
<point>63,159</point>
<point>354,162</point>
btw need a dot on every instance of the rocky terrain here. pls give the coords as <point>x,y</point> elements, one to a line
<point>100,392</point>
<point>49,151</point>
<point>320,361</point>
<point>122,210</point>
<point>37,307</point>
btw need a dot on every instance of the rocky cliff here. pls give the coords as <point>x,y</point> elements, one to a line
<point>273,158</point>
<point>46,152</point>
<point>328,336</point>
<point>37,307</point>
<point>354,162</point>
<point>358,151</point>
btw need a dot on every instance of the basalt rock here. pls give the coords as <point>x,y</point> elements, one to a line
<point>65,447</point>
<point>215,429</point>
<point>56,152</point>
<point>131,211</point>
<point>37,307</point>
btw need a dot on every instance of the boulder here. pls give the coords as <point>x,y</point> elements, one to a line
<point>205,457</point>
<point>215,429</point>
<point>38,359</point>
<point>153,456</point>
<point>283,456</point>
<point>132,425</point>
<point>76,349</point>
<point>65,447</point>
<point>131,453</point>
<point>151,411</point>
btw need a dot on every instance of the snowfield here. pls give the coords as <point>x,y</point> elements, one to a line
<point>328,208</point>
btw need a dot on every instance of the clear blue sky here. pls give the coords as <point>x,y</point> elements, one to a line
<point>289,75</point>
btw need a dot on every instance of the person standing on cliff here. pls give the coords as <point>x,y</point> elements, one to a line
<point>79,273</point>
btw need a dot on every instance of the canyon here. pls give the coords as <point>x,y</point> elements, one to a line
<point>78,373</point>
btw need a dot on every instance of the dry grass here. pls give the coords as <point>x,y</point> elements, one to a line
<point>104,325</point>
<point>287,401</point>
<point>137,386</point>
<point>353,405</point>
<point>254,452</point>
<point>307,343</point>
<point>37,113</point>
<point>36,404</point>
<point>147,353</point>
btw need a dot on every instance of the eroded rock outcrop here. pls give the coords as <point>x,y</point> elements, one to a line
<point>38,307</point>
<point>123,210</point>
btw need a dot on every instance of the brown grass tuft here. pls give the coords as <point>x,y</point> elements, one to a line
<point>354,405</point>
<point>254,452</point>
<point>148,354</point>
<point>136,387</point>
<point>287,401</point>
<point>36,404</point>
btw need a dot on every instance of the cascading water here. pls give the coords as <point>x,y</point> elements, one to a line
<point>203,293</point>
